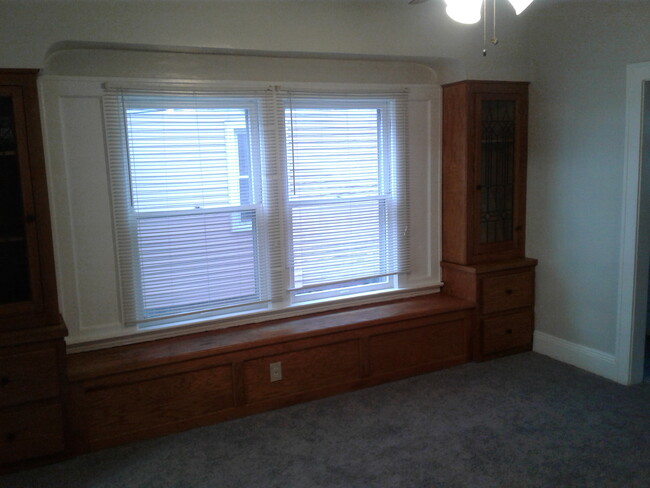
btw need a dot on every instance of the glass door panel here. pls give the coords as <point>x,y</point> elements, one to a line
<point>497,171</point>
<point>15,280</point>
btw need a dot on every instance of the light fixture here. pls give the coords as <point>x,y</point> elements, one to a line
<point>464,11</point>
<point>520,5</point>
<point>469,11</point>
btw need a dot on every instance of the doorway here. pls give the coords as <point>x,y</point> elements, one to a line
<point>635,237</point>
<point>645,163</point>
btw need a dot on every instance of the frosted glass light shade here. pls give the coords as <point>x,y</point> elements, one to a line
<point>464,11</point>
<point>520,5</point>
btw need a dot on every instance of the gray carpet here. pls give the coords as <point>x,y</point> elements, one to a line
<point>520,421</point>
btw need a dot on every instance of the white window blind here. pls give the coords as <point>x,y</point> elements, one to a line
<point>237,201</point>
<point>186,174</point>
<point>346,192</point>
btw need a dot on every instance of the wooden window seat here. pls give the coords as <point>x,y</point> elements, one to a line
<point>138,391</point>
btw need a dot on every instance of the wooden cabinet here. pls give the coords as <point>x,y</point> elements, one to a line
<point>31,389</point>
<point>32,351</point>
<point>504,293</point>
<point>483,211</point>
<point>129,393</point>
<point>484,171</point>
<point>303,371</point>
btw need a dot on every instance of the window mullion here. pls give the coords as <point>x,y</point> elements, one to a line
<point>274,201</point>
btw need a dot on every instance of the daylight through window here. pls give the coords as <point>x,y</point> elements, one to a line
<point>236,202</point>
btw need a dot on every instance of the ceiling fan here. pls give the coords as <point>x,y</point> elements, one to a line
<point>469,11</point>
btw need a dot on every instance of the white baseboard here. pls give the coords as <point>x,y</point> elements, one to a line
<point>592,360</point>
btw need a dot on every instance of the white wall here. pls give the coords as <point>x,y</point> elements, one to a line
<point>30,29</point>
<point>576,159</point>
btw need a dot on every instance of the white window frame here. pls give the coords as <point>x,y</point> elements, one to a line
<point>235,190</point>
<point>387,196</point>
<point>71,91</point>
<point>277,284</point>
<point>133,295</point>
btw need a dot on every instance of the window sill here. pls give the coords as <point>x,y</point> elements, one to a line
<point>120,335</point>
<point>114,360</point>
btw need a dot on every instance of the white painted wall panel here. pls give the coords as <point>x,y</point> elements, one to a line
<point>90,214</point>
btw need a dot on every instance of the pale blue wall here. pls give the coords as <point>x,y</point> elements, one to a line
<point>577,151</point>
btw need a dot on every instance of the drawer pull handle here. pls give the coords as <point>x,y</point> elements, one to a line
<point>508,331</point>
<point>509,291</point>
<point>10,437</point>
<point>4,381</point>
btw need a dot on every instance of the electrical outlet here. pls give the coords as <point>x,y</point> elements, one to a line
<point>276,371</point>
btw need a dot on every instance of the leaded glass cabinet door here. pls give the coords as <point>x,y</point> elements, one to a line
<point>484,171</point>
<point>500,172</point>
<point>17,266</point>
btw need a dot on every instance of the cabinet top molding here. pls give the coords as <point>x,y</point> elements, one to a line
<point>493,83</point>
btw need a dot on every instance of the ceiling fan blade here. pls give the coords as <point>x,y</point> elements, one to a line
<point>415,2</point>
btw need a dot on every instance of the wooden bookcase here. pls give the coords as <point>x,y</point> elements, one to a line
<point>484,150</point>
<point>32,351</point>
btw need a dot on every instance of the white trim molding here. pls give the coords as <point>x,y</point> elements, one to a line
<point>587,358</point>
<point>72,112</point>
<point>635,243</point>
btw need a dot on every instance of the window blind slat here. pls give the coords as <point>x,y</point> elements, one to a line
<point>217,194</point>
<point>186,172</point>
<point>346,160</point>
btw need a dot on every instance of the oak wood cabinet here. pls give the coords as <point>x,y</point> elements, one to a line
<point>32,351</point>
<point>484,150</point>
<point>128,393</point>
<point>484,171</point>
<point>504,293</point>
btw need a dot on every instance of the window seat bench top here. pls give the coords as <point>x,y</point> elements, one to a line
<point>120,359</point>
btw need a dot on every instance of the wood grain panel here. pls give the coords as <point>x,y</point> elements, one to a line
<point>140,391</point>
<point>237,339</point>
<point>455,179</point>
<point>169,398</point>
<point>461,169</point>
<point>28,376</point>
<point>505,332</point>
<point>507,292</point>
<point>421,346</point>
<point>41,309</point>
<point>459,281</point>
<point>302,371</point>
<point>31,432</point>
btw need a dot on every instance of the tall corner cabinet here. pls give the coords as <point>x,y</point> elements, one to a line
<point>32,348</point>
<point>484,151</point>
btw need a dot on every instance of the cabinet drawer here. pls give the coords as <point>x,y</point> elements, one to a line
<point>302,371</point>
<point>507,292</point>
<point>28,376</point>
<point>506,332</point>
<point>32,432</point>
